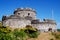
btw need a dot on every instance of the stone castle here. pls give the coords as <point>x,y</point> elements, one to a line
<point>27,16</point>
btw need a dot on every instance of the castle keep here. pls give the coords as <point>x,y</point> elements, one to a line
<point>27,16</point>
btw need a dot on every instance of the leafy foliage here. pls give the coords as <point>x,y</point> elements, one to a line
<point>32,32</point>
<point>6,33</point>
<point>33,35</point>
<point>0,25</point>
<point>58,30</point>
<point>52,39</point>
<point>56,35</point>
<point>20,34</point>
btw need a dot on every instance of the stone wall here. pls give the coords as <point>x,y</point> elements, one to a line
<point>25,12</point>
<point>16,23</point>
<point>45,27</point>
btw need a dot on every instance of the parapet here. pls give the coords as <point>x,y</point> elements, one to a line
<point>24,9</point>
<point>45,21</point>
<point>49,21</point>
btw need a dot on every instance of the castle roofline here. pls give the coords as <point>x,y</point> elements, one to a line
<point>24,9</point>
<point>43,22</point>
<point>49,20</point>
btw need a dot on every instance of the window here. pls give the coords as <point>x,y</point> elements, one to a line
<point>28,14</point>
<point>18,13</point>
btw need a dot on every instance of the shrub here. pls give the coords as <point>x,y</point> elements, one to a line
<point>52,39</point>
<point>58,30</point>
<point>0,24</point>
<point>33,35</point>
<point>18,34</point>
<point>32,32</point>
<point>56,35</point>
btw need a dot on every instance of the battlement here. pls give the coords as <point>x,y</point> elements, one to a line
<point>24,9</point>
<point>49,20</point>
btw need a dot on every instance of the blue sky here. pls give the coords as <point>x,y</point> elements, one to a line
<point>43,8</point>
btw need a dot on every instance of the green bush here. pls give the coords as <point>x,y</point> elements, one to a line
<point>32,32</point>
<point>52,39</point>
<point>58,30</point>
<point>0,24</point>
<point>33,35</point>
<point>17,34</point>
<point>57,36</point>
<point>20,34</point>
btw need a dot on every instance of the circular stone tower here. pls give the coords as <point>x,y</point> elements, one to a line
<point>25,12</point>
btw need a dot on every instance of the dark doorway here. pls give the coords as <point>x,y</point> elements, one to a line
<point>50,29</point>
